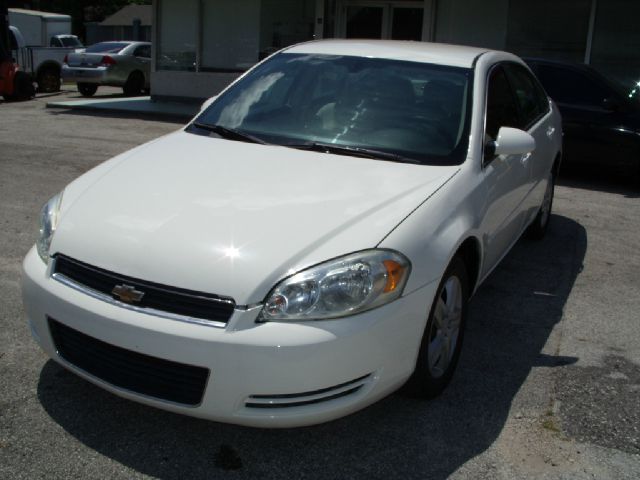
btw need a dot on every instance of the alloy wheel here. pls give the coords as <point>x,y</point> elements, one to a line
<point>445,328</point>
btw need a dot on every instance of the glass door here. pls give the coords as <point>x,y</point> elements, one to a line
<point>401,20</point>
<point>406,23</point>
<point>365,21</point>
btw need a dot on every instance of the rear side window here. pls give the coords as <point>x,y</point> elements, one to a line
<point>502,110</point>
<point>143,51</point>
<point>571,87</point>
<point>531,98</point>
<point>106,47</point>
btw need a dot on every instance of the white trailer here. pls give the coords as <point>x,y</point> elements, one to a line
<point>43,64</point>
<point>40,29</point>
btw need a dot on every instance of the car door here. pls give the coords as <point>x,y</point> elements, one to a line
<point>535,118</point>
<point>506,177</point>
<point>142,56</point>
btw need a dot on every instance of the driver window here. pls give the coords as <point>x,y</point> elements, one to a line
<point>501,106</point>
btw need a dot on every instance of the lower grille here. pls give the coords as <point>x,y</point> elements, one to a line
<point>139,373</point>
<point>287,400</point>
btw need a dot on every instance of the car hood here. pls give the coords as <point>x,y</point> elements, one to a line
<point>233,218</point>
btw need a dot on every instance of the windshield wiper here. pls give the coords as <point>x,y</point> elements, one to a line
<point>352,151</point>
<point>229,133</point>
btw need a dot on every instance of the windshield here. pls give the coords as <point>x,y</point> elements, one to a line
<point>106,47</point>
<point>413,110</point>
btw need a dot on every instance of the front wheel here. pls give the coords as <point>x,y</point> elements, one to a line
<point>540,224</point>
<point>442,339</point>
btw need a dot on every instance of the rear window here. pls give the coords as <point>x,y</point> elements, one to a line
<point>71,42</point>
<point>107,47</point>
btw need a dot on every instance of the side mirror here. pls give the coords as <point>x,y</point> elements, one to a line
<point>207,102</point>
<point>511,141</point>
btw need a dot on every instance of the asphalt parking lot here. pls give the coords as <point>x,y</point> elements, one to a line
<point>548,385</point>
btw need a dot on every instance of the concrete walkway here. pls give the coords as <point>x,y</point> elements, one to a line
<point>137,105</point>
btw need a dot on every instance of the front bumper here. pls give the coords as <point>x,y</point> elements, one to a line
<point>265,375</point>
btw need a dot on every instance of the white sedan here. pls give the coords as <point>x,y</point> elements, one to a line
<point>308,243</point>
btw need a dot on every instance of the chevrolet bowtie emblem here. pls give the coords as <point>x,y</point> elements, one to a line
<point>127,294</point>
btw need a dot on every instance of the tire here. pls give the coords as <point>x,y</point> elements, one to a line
<point>87,89</point>
<point>442,338</point>
<point>23,88</point>
<point>540,224</point>
<point>49,80</point>
<point>134,84</point>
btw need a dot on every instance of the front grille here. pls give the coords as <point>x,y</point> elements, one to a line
<point>173,300</point>
<point>286,400</point>
<point>151,376</point>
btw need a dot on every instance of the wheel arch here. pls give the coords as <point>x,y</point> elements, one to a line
<point>470,251</point>
<point>49,65</point>
<point>556,164</point>
<point>136,71</point>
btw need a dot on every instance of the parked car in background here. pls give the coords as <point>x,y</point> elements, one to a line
<point>601,119</point>
<point>308,243</point>
<point>117,64</point>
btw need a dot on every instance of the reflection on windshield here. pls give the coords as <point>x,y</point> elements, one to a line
<point>234,114</point>
<point>406,109</point>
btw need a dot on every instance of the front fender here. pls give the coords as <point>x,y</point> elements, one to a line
<point>434,232</point>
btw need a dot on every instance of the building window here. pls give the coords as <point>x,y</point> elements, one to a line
<point>284,23</point>
<point>230,35</point>
<point>224,36</point>
<point>177,35</point>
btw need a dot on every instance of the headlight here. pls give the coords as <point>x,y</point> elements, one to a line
<point>48,223</point>
<point>337,288</point>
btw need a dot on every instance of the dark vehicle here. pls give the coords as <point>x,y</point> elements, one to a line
<point>600,119</point>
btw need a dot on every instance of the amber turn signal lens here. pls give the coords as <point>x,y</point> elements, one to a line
<point>395,271</point>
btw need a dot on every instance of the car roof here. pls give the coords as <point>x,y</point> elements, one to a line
<point>425,52</point>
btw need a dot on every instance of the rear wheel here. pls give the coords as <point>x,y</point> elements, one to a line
<point>540,224</point>
<point>134,84</point>
<point>49,80</point>
<point>87,89</point>
<point>442,339</point>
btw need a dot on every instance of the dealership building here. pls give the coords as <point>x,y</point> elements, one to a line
<point>202,45</point>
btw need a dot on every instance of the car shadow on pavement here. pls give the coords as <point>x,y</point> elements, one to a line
<point>511,318</point>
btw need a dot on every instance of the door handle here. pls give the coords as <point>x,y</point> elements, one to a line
<point>550,131</point>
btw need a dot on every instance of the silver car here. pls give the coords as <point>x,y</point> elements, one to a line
<point>117,64</point>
